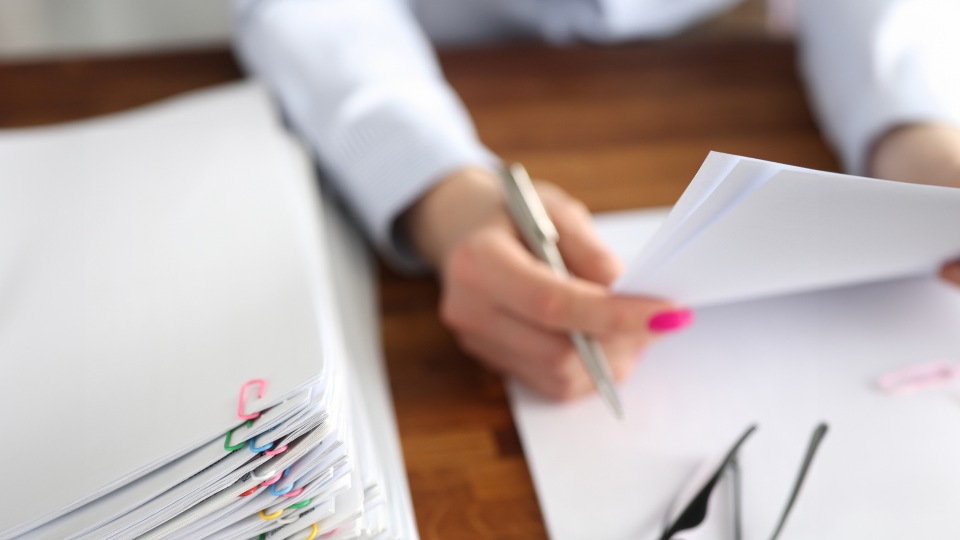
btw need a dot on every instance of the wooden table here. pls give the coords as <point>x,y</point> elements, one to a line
<point>617,127</point>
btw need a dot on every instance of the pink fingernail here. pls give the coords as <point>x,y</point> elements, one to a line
<point>669,321</point>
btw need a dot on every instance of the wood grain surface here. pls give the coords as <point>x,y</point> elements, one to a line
<point>618,127</point>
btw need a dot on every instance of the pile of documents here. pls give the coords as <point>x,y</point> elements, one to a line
<point>177,362</point>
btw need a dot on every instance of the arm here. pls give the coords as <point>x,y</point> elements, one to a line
<point>359,83</point>
<point>885,84</point>
<point>873,66</point>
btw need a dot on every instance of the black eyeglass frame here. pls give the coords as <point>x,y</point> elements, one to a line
<point>696,510</point>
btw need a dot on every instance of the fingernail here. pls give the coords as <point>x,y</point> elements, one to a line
<point>669,321</point>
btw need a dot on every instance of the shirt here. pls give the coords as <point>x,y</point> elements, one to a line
<point>359,82</point>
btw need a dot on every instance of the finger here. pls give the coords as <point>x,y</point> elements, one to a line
<point>561,377</point>
<point>547,351</point>
<point>624,355</point>
<point>507,344</point>
<point>583,252</point>
<point>951,272</point>
<point>568,382</point>
<point>472,316</point>
<point>522,348</point>
<point>513,278</point>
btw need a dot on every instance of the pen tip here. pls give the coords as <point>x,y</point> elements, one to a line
<point>616,407</point>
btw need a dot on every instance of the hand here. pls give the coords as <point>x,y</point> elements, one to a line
<point>921,153</point>
<point>510,310</point>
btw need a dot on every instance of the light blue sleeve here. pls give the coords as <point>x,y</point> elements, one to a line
<point>871,65</point>
<point>359,82</point>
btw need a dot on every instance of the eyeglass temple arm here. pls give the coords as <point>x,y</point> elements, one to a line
<point>696,511</point>
<point>818,434</point>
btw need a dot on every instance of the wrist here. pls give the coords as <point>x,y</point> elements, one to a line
<point>454,206</point>
<point>920,153</point>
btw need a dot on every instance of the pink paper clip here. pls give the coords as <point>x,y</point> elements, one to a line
<point>918,377</point>
<point>273,480</point>
<point>280,450</point>
<point>293,493</point>
<point>242,407</point>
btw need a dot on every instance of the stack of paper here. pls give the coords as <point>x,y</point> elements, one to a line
<point>744,235</point>
<point>746,228</point>
<point>174,356</point>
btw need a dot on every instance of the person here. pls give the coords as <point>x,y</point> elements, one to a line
<point>358,80</point>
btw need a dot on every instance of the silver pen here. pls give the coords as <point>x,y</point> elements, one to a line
<point>541,237</point>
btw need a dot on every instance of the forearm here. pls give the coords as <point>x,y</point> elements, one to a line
<point>875,66</point>
<point>359,83</point>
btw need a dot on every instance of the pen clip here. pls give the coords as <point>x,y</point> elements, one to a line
<point>526,206</point>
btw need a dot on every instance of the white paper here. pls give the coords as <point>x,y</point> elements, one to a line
<point>748,229</point>
<point>887,469</point>
<point>146,272</point>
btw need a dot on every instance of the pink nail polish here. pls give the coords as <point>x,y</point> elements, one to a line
<point>668,321</point>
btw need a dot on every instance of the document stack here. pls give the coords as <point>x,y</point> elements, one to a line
<point>187,335</point>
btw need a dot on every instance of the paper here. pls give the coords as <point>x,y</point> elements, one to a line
<point>886,470</point>
<point>153,262</point>
<point>748,229</point>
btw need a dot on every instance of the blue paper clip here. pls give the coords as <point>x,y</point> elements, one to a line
<point>255,449</point>
<point>284,491</point>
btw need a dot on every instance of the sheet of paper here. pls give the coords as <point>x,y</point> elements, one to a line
<point>748,229</point>
<point>886,470</point>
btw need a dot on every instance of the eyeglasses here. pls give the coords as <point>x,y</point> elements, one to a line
<point>695,512</point>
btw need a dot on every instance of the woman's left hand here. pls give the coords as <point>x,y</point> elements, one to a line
<point>923,154</point>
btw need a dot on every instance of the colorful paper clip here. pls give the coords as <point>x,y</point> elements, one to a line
<point>255,449</point>
<point>242,407</point>
<point>253,475</point>
<point>275,493</point>
<point>280,450</point>
<point>273,480</point>
<point>274,515</point>
<point>918,377</point>
<point>226,443</point>
<point>301,504</point>
<point>250,491</point>
<point>313,532</point>
<point>293,493</point>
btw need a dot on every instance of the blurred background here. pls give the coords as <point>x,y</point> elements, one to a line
<point>39,29</point>
<point>33,29</point>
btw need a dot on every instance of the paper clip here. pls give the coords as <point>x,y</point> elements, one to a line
<point>293,493</point>
<point>242,407</point>
<point>280,450</point>
<point>271,516</point>
<point>253,475</point>
<point>273,480</point>
<point>918,377</point>
<point>301,504</point>
<point>256,450</point>
<point>226,443</point>
<point>250,491</point>
<point>313,532</point>
<point>275,493</point>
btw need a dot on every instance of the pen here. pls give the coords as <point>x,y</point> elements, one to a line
<point>541,237</point>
